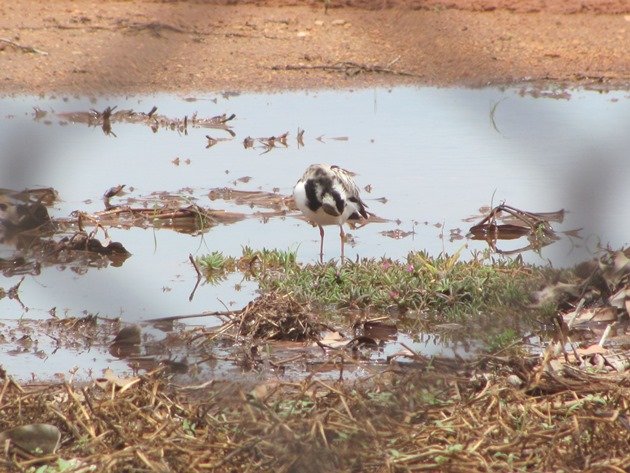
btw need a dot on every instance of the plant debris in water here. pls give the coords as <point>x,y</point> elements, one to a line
<point>36,239</point>
<point>189,219</point>
<point>109,116</point>
<point>515,224</point>
<point>275,317</point>
<point>268,200</point>
<point>561,407</point>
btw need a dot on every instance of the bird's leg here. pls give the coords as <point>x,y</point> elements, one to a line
<point>342,235</point>
<point>321,244</point>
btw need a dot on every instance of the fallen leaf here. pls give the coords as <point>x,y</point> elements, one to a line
<point>591,350</point>
<point>620,298</point>
<point>129,336</point>
<point>333,339</point>
<point>597,314</point>
<point>109,377</point>
<point>42,439</point>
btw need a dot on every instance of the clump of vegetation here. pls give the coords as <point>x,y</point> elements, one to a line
<point>251,262</point>
<point>276,317</point>
<point>443,288</point>
<point>216,266</point>
<point>503,340</point>
<point>421,290</point>
<point>215,261</point>
<point>264,259</point>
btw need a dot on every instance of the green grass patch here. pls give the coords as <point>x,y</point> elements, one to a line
<point>215,266</point>
<point>443,288</point>
<point>267,259</point>
<point>252,263</point>
<point>458,300</point>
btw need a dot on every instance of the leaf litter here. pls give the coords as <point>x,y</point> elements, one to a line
<point>593,297</point>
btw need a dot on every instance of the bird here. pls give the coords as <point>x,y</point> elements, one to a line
<point>327,195</point>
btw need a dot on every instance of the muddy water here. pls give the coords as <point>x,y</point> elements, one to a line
<point>431,158</point>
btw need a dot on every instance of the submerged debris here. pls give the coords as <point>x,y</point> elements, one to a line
<point>109,115</point>
<point>81,241</point>
<point>248,142</point>
<point>115,191</point>
<point>126,344</point>
<point>188,219</point>
<point>40,240</point>
<point>397,234</point>
<point>515,224</point>
<point>267,200</point>
<point>25,210</point>
<point>80,248</point>
<point>18,265</point>
<point>271,142</point>
<point>13,292</point>
<point>213,141</point>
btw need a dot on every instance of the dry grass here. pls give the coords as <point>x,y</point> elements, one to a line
<point>437,416</point>
<point>273,317</point>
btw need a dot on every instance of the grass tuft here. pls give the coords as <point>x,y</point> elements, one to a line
<point>442,288</point>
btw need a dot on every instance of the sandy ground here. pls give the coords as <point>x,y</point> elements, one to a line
<point>88,46</point>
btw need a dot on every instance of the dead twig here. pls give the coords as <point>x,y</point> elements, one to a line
<point>26,49</point>
<point>347,67</point>
<point>194,263</point>
<point>192,260</point>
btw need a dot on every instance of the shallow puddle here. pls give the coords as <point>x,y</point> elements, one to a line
<point>428,160</point>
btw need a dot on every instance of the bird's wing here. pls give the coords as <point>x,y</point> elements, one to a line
<point>330,210</point>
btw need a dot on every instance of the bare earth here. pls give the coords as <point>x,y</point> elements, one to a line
<point>88,46</point>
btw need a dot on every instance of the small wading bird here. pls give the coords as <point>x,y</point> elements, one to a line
<point>327,195</point>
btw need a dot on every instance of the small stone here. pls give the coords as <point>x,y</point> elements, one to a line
<point>319,23</point>
<point>302,34</point>
<point>338,22</point>
<point>515,381</point>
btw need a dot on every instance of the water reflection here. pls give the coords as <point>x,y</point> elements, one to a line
<point>427,159</point>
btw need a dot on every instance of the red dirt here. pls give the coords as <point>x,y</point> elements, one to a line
<point>147,46</point>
